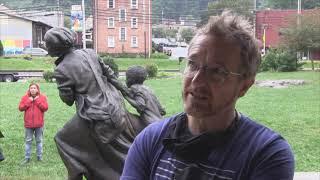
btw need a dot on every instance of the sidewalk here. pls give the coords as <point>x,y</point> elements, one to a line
<point>310,69</point>
<point>306,176</point>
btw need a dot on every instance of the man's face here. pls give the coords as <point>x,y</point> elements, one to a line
<point>33,90</point>
<point>53,51</point>
<point>205,93</point>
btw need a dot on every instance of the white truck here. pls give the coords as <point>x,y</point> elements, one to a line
<point>15,75</point>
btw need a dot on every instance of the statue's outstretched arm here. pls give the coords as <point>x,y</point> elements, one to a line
<point>65,87</point>
<point>108,72</point>
<point>137,101</point>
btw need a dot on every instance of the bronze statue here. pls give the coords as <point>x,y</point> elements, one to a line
<point>1,154</point>
<point>142,98</point>
<point>94,143</point>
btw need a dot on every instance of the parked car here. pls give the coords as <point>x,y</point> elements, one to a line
<point>35,51</point>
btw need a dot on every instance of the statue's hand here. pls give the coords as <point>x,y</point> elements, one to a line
<point>67,95</point>
<point>162,112</point>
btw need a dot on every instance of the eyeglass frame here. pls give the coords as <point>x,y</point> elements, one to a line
<point>224,73</point>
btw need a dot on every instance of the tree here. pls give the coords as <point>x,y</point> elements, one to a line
<point>67,22</point>
<point>1,49</point>
<point>242,7</point>
<point>158,32</point>
<point>291,4</point>
<point>187,34</point>
<point>164,33</point>
<point>280,4</point>
<point>171,33</point>
<point>302,37</point>
<point>173,9</point>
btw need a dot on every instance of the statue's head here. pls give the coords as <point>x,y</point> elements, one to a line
<point>59,40</point>
<point>135,75</point>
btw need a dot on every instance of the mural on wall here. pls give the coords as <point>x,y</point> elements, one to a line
<point>15,46</point>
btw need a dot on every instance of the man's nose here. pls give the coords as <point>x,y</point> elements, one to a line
<point>200,76</point>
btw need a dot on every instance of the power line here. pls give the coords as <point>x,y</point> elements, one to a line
<point>27,8</point>
<point>106,15</point>
<point>146,14</point>
<point>115,13</point>
<point>110,9</point>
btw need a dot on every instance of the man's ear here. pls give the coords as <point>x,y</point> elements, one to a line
<point>246,84</point>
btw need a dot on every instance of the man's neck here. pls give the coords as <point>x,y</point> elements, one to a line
<point>211,123</point>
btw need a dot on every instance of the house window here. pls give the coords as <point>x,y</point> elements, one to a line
<point>111,22</point>
<point>111,4</point>
<point>122,15</point>
<point>134,4</point>
<point>134,41</point>
<point>122,34</point>
<point>134,22</point>
<point>111,41</point>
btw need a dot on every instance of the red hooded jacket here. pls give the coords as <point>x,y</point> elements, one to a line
<point>33,110</point>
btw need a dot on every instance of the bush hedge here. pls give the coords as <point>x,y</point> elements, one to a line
<point>159,56</point>
<point>122,55</point>
<point>110,61</point>
<point>280,60</point>
<point>152,70</point>
<point>1,49</point>
<point>48,76</point>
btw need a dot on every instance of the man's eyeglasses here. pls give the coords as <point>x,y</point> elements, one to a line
<point>216,75</point>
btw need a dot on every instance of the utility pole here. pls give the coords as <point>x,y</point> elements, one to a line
<point>58,13</point>
<point>83,26</point>
<point>264,37</point>
<point>162,16</point>
<point>254,17</point>
<point>95,26</point>
<point>144,28</point>
<point>298,24</point>
<point>150,38</point>
<point>299,12</point>
<point>264,40</point>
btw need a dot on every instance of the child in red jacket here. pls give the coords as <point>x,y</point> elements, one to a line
<point>34,104</point>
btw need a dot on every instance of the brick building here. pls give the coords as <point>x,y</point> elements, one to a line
<point>122,26</point>
<point>271,21</point>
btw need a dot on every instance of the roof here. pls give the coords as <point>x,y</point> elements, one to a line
<point>20,17</point>
<point>160,40</point>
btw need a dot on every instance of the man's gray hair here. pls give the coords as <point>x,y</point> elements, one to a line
<point>239,30</point>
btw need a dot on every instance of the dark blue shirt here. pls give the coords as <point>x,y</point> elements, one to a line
<point>251,151</point>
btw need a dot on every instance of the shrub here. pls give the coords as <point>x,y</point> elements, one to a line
<point>279,60</point>
<point>269,61</point>
<point>122,55</point>
<point>1,49</point>
<point>287,62</point>
<point>152,70</point>
<point>159,56</point>
<point>153,47</point>
<point>27,57</point>
<point>110,62</point>
<point>48,76</point>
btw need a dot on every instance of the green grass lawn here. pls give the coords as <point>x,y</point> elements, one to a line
<point>124,63</point>
<point>294,112</point>
<point>47,63</point>
<point>18,63</point>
